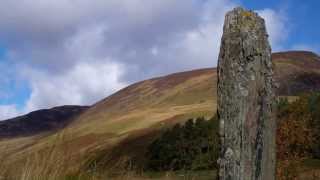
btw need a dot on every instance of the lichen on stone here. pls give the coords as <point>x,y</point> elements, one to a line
<point>245,95</point>
<point>246,13</point>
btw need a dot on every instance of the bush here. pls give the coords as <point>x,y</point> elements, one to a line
<point>298,133</point>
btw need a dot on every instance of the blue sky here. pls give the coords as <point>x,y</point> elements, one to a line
<point>12,90</point>
<point>77,52</point>
<point>303,20</point>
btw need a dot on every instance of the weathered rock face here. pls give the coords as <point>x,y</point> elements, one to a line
<point>246,99</point>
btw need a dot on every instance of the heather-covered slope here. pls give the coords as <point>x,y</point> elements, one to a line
<point>297,71</point>
<point>128,119</point>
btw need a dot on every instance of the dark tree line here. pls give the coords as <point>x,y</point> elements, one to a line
<point>195,144</point>
<point>191,146</point>
<point>314,107</point>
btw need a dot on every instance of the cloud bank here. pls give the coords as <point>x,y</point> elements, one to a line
<point>78,52</point>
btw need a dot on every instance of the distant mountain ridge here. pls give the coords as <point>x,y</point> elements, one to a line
<point>39,121</point>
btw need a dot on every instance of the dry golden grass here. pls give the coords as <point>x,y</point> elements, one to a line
<point>52,163</point>
<point>37,166</point>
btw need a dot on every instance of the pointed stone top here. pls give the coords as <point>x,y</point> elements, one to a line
<point>240,11</point>
<point>243,20</point>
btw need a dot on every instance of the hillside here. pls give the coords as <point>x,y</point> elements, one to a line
<point>40,121</point>
<point>124,123</point>
<point>296,71</point>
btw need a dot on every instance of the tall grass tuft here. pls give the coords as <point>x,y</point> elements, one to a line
<point>50,163</point>
<point>56,162</point>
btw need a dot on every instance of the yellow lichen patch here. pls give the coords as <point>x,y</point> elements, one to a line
<point>247,13</point>
<point>247,22</point>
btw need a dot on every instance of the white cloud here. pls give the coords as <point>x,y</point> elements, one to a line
<point>84,84</point>
<point>8,111</point>
<point>277,27</point>
<point>78,52</point>
<point>200,46</point>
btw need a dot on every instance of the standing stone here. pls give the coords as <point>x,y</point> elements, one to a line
<point>246,99</point>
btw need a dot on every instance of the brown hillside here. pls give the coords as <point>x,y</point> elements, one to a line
<point>138,111</point>
<point>297,71</point>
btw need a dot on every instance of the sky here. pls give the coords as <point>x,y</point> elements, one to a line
<point>77,52</point>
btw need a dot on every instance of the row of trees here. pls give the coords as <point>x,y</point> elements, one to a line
<point>192,146</point>
<point>195,144</point>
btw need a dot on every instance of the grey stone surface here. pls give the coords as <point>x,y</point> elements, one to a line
<point>246,100</point>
